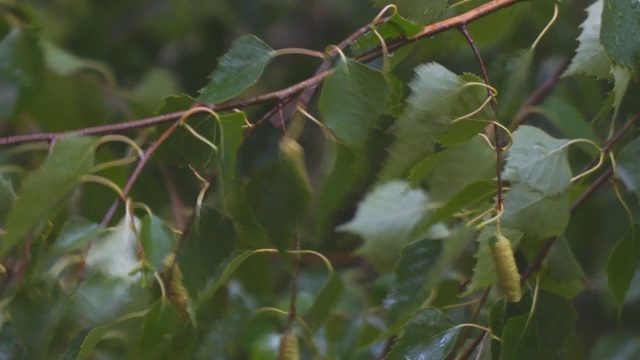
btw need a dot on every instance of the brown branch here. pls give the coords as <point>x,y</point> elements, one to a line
<point>280,95</point>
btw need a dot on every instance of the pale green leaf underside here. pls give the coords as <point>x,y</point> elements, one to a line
<point>352,99</point>
<point>535,214</point>
<point>539,161</point>
<point>238,69</point>
<point>628,166</point>
<point>590,58</point>
<point>385,219</point>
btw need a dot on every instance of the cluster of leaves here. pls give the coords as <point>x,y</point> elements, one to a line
<point>396,184</point>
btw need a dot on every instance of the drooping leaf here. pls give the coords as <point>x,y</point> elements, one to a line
<point>538,160</point>
<point>279,195</point>
<point>484,272</point>
<point>75,233</point>
<point>628,167</point>
<point>590,58</point>
<point>539,336</point>
<point>430,334</point>
<point>89,340</point>
<point>326,300</point>
<point>116,253</point>
<point>438,96</point>
<point>352,99</point>
<point>238,69</point>
<point>20,68</point>
<point>6,198</point>
<point>231,133</point>
<point>45,189</point>
<point>159,326</point>
<point>414,278</point>
<point>509,74</point>
<point>535,214</point>
<point>622,264</point>
<point>211,240</point>
<point>157,239</point>
<point>620,32</point>
<point>219,341</point>
<point>385,219</point>
<point>421,11</point>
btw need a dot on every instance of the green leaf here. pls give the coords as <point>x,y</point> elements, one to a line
<point>622,264</point>
<point>542,334</point>
<point>231,135</point>
<point>430,334</point>
<point>461,131</point>
<point>424,168</point>
<point>159,325</point>
<point>620,32</point>
<point>437,97</point>
<point>385,219</point>
<point>20,68</point>
<point>421,11</point>
<point>238,69</point>
<point>509,74</point>
<point>538,160</point>
<point>279,195</point>
<point>157,239</point>
<point>211,240</point>
<point>484,272</point>
<point>590,58</point>
<point>7,196</point>
<point>75,233</point>
<point>621,77</point>
<point>352,99</point>
<point>571,122</point>
<point>535,214</point>
<point>45,189</point>
<point>628,167</point>
<point>462,165</point>
<point>470,194</point>
<point>347,171</point>
<point>220,340</point>
<point>91,338</point>
<point>326,300</point>
<point>414,278</point>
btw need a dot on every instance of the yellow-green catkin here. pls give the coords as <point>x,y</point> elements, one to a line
<point>289,349</point>
<point>506,269</point>
<point>176,292</point>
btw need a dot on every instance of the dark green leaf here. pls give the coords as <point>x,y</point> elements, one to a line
<point>211,239</point>
<point>561,273</point>
<point>535,214</point>
<point>472,193</point>
<point>279,195</point>
<point>238,69</point>
<point>620,32</point>
<point>20,68</point>
<point>539,161</point>
<point>541,335</point>
<point>622,264</point>
<point>430,334</point>
<point>6,198</point>
<point>44,189</point>
<point>414,278</point>
<point>352,99</point>
<point>231,134</point>
<point>159,325</point>
<point>326,300</point>
<point>460,131</point>
<point>386,219</point>
<point>91,338</point>
<point>423,169</point>
<point>422,11</point>
<point>571,122</point>
<point>510,73</point>
<point>219,342</point>
<point>158,240</point>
